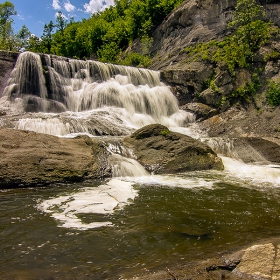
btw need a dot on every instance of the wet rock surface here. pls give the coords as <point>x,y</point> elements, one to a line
<point>163,151</point>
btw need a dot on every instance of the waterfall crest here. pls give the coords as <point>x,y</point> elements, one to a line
<point>60,96</point>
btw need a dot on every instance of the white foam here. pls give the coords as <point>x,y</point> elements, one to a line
<point>171,181</point>
<point>256,173</point>
<point>99,200</point>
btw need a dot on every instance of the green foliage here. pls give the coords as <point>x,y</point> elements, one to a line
<point>23,36</point>
<point>246,91</point>
<point>61,22</point>
<point>273,55</point>
<point>201,51</point>
<point>273,92</point>
<point>107,34</point>
<point>7,38</point>
<point>47,37</point>
<point>136,60</point>
<point>109,52</point>
<point>7,9</point>
<point>249,33</point>
<point>239,49</point>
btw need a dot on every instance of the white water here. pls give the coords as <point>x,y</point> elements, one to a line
<point>258,174</point>
<point>113,99</point>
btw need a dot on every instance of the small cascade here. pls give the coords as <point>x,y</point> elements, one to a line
<point>235,148</point>
<point>27,78</point>
<point>122,167</point>
<point>87,97</point>
<point>122,160</point>
<point>222,146</point>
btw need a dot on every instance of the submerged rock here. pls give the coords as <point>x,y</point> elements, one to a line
<point>29,158</point>
<point>163,151</point>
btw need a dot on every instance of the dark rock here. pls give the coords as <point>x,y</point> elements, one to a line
<point>187,81</point>
<point>201,111</point>
<point>209,97</point>
<point>29,158</point>
<point>163,151</point>
<point>7,63</point>
<point>246,147</point>
<point>244,122</point>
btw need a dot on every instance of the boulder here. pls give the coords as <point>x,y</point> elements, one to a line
<point>200,110</point>
<point>162,151</point>
<point>29,158</point>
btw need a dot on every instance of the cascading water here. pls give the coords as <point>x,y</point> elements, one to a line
<point>135,221</point>
<point>73,96</point>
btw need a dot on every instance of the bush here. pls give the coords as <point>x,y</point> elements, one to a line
<point>136,59</point>
<point>273,93</point>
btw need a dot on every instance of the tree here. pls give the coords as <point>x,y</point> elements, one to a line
<point>61,22</point>
<point>59,44</point>
<point>47,36</point>
<point>7,39</point>
<point>7,9</point>
<point>23,37</point>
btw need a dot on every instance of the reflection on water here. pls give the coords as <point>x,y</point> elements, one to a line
<point>165,220</point>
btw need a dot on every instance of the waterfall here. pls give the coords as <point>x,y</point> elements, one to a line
<point>62,96</point>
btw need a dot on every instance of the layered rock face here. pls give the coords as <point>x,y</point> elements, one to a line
<point>163,151</point>
<point>201,21</point>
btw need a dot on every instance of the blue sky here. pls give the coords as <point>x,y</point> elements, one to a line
<point>35,13</point>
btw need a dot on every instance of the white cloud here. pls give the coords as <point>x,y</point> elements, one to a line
<point>97,5</point>
<point>69,7</point>
<point>56,5</point>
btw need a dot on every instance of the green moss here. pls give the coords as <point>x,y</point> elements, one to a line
<point>165,132</point>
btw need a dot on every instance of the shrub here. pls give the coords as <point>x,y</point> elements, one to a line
<point>273,93</point>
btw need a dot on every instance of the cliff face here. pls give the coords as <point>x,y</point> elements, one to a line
<point>193,22</point>
<point>196,21</point>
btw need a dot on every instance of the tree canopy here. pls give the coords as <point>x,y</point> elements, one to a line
<point>103,36</point>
